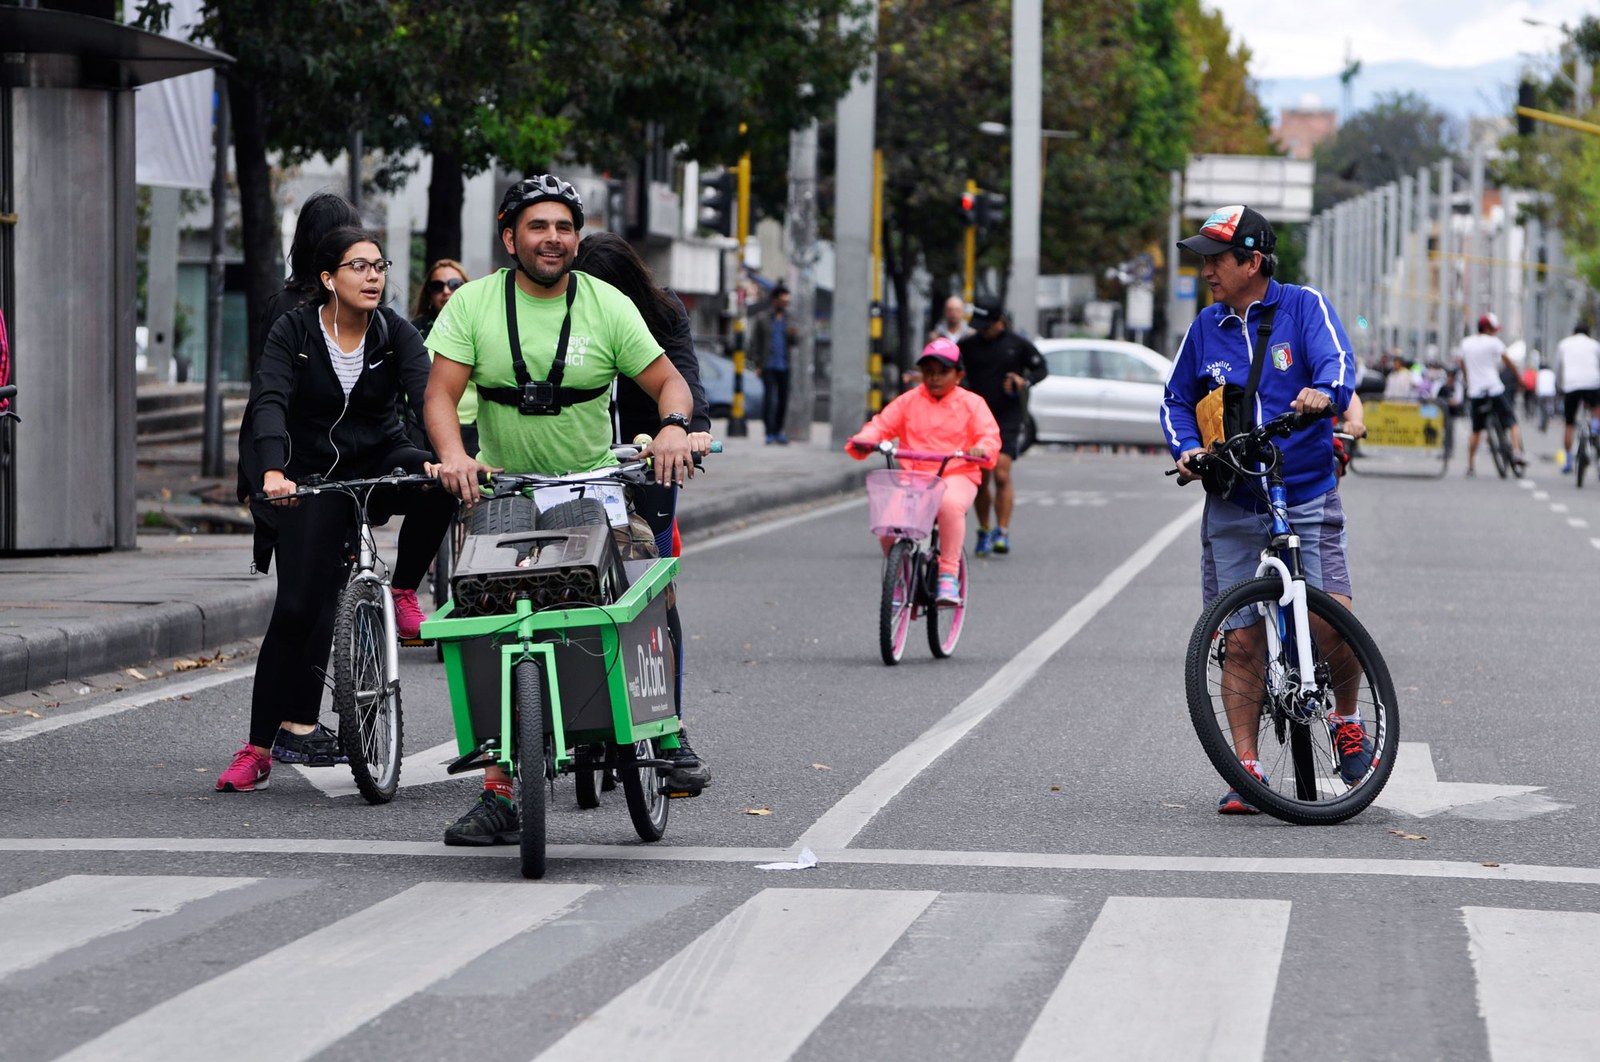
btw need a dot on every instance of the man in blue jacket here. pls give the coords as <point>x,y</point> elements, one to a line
<point>1308,367</point>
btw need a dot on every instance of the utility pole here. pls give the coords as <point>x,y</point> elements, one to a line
<point>847,399</point>
<point>969,247</point>
<point>802,226</point>
<point>875,313</point>
<point>741,232</point>
<point>1027,32</point>
<point>211,437</point>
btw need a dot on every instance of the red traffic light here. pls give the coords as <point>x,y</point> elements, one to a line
<point>969,202</point>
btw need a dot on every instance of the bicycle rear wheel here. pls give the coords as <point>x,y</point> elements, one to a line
<point>1229,668</point>
<point>944,621</point>
<point>371,733</point>
<point>641,786</point>
<point>528,711</point>
<point>1499,447</point>
<point>899,594</point>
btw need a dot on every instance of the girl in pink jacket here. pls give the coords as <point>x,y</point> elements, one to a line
<point>939,416</point>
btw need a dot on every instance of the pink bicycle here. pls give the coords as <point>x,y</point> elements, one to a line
<point>904,505</point>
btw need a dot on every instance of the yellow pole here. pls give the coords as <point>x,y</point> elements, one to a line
<point>741,228</point>
<point>1559,119</point>
<point>970,259</point>
<point>875,350</point>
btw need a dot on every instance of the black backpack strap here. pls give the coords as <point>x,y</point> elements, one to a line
<point>566,396</point>
<point>1258,361</point>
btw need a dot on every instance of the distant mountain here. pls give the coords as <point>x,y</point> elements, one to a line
<point>1489,90</point>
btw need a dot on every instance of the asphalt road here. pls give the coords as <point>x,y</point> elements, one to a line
<point>1017,850</point>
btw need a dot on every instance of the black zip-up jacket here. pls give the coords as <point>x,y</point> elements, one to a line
<point>987,361</point>
<point>299,420</point>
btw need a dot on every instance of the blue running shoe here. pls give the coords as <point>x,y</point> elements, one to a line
<point>1353,747</point>
<point>1234,804</point>
<point>999,541</point>
<point>982,548</point>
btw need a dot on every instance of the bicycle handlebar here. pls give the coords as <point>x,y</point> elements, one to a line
<point>313,485</point>
<point>1254,443</point>
<point>8,391</point>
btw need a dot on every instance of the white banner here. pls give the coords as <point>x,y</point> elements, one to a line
<point>173,118</point>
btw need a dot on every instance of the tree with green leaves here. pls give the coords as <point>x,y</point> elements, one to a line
<point>1399,134</point>
<point>1563,163</point>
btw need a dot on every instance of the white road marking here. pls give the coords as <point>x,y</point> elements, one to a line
<point>762,978</point>
<point>42,922</point>
<point>840,823</point>
<point>771,525</point>
<point>1595,542</point>
<point>1414,787</point>
<point>1541,495</point>
<point>1044,861</point>
<point>1558,507</point>
<point>1211,966</point>
<point>1577,521</point>
<point>419,768</point>
<point>100,711</point>
<point>1527,484</point>
<point>327,980</point>
<point>1538,973</point>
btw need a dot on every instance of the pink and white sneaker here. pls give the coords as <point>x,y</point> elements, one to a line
<point>247,773</point>
<point>407,614</point>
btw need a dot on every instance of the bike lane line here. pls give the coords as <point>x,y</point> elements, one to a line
<point>177,689</point>
<point>840,824</point>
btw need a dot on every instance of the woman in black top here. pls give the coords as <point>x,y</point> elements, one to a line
<point>323,404</point>
<point>610,258</point>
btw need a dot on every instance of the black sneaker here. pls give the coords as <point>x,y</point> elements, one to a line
<point>320,748</point>
<point>689,773</point>
<point>490,821</point>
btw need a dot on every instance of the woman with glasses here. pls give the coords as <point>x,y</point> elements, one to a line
<point>323,404</point>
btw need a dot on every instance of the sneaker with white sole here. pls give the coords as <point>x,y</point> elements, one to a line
<point>407,614</point>
<point>949,590</point>
<point>248,772</point>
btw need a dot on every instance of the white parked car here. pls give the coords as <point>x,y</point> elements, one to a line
<point>1099,391</point>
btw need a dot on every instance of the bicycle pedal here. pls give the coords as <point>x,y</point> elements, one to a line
<point>416,643</point>
<point>679,795</point>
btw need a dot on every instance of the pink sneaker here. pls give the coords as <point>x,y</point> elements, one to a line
<point>247,772</point>
<point>407,614</point>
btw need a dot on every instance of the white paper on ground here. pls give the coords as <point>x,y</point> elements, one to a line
<point>808,859</point>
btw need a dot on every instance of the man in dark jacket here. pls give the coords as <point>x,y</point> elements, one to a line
<point>773,340</point>
<point>1001,366</point>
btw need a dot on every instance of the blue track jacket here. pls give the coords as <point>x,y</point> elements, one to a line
<point>1309,348</point>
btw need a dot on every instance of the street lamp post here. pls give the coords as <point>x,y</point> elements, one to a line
<point>1027,201</point>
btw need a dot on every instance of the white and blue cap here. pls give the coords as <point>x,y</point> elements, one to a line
<point>1233,226</point>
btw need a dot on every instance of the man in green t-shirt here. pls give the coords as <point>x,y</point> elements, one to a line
<point>574,335</point>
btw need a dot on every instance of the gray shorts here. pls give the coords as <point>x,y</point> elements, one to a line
<point>1231,541</point>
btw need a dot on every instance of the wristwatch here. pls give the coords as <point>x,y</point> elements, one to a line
<point>675,418</point>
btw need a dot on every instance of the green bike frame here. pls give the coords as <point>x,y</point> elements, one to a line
<point>621,650</point>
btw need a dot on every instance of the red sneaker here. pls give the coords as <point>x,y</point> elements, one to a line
<point>247,773</point>
<point>407,614</point>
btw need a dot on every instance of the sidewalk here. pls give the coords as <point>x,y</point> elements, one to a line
<point>71,616</point>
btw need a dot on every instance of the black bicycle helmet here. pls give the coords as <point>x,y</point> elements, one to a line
<point>531,190</point>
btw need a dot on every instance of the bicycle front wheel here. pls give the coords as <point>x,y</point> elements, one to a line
<point>529,715</point>
<point>945,620</point>
<point>1244,698</point>
<point>370,728</point>
<point>899,593</point>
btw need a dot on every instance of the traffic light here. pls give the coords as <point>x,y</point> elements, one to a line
<point>717,201</point>
<point>1525,98</point>
<point>991,210</point>
<point>968,209</point>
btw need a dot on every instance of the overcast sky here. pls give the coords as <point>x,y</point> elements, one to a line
<point>1306,38</point>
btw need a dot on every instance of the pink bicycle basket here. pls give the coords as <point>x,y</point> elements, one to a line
<point>901,502</point>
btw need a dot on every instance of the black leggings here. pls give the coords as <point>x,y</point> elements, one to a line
<point>316,544</point>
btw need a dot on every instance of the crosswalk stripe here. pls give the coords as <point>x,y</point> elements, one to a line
<point>43,922</point>
<point>1212,964</point>
<point>762,978</point>
<point>1538,981</point>
<point>335,979</point>
<point>416,768</point>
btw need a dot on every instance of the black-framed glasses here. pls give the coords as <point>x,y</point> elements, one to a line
<point>434,286</point>
<point>360,265</point>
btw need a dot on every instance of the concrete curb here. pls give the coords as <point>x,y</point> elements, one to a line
<point>715,512</point>
<point>57,653</point>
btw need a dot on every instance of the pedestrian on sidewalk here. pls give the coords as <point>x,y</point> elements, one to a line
<point>1000,366</point>
<point>773,338</point>
<point>323,404</point>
